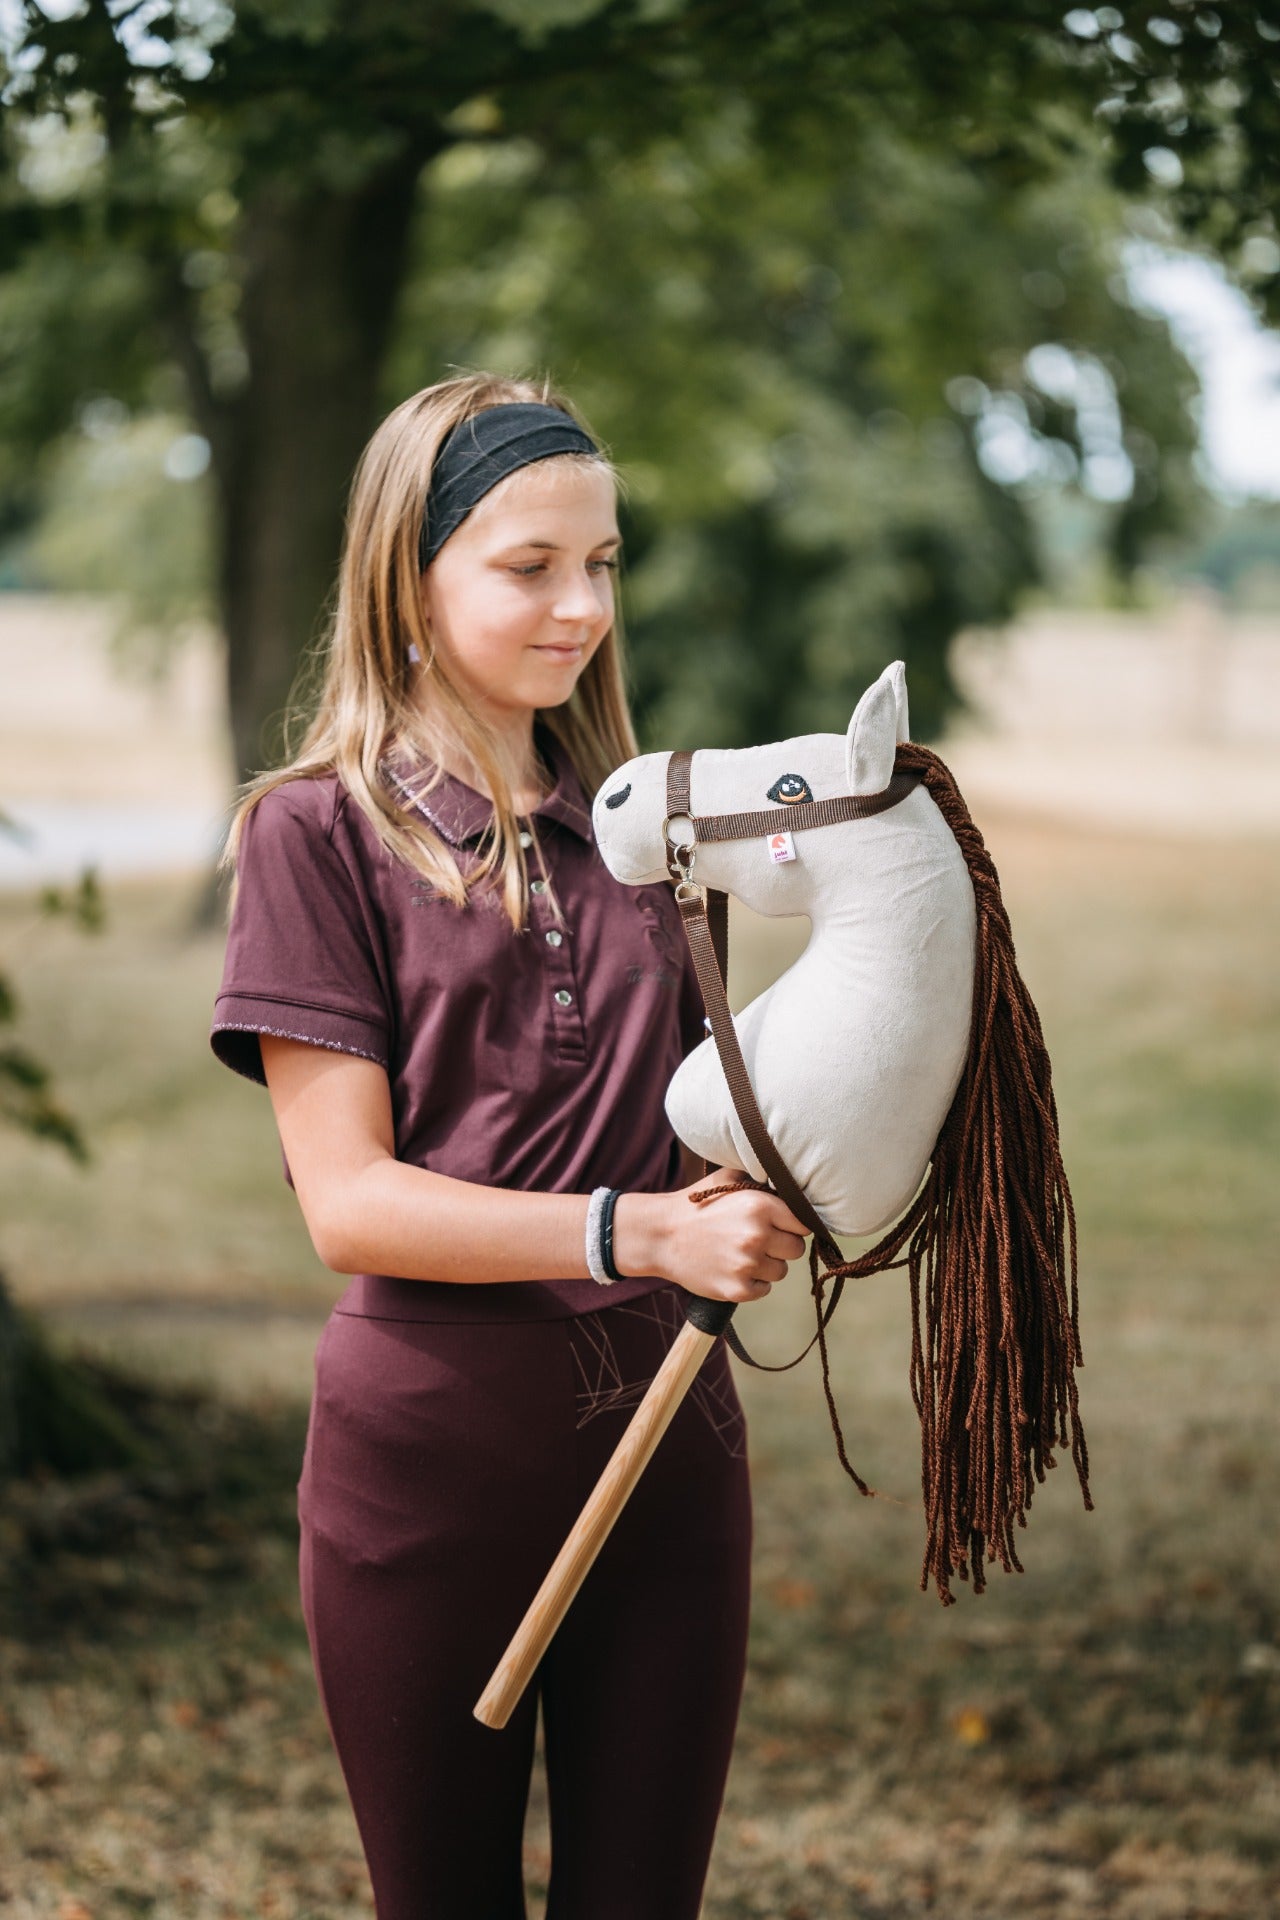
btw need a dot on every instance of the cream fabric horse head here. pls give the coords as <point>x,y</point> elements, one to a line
<point>856,1051</point>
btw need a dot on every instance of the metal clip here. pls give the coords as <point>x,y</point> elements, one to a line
<point>687,887</point>
<point>679,860</point>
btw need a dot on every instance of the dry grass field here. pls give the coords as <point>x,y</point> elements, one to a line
<point>1098,1737</point>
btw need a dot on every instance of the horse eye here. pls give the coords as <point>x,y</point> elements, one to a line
<point>790,789</point>
<point>616,799</point>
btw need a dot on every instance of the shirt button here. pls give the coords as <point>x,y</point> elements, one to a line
<point>554,938</point>
<point>537,886</point>
<point>564,998</point>
<point>526,839</point>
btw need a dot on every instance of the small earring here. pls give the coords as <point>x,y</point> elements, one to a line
<point>415,658</point>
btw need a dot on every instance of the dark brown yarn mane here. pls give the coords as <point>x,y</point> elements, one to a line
<point>990,1252</point>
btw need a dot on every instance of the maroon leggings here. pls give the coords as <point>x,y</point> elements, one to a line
<point>445,1464</point>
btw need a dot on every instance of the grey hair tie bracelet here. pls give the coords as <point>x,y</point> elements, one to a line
<point>600,1261</point>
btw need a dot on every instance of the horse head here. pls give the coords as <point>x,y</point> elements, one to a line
<point>630,808</point>
<point>856,1050</point>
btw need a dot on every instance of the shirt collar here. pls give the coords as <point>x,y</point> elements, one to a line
<point>460,814</point>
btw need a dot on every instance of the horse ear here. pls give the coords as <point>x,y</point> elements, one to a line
<point>873,735</point>
<point>898,675</point>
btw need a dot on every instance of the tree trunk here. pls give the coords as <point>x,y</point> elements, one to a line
<point>322,273</point>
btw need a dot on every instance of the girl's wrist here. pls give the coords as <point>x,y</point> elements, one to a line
<point>641,1233</point>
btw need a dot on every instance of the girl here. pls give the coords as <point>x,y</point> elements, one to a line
<point>467,1028</point>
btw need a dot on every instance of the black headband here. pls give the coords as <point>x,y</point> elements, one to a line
<point>478,452</point>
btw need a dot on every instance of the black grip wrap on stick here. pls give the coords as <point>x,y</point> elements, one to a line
<point>708,1316</point>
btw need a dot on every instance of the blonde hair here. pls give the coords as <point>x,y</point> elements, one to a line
<point>373,700</point>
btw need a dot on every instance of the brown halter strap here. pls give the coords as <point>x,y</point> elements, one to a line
<point>704,913</point>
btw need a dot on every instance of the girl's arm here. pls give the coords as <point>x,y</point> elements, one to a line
<point>368,1212</point>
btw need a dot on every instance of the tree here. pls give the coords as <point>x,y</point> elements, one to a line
<point>823,383</point>
<point>250,188</point>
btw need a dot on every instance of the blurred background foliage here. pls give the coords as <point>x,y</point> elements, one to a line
<point>837,391</point>
<point>844,289</point>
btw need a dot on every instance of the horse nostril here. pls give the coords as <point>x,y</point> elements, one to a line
<point>616,799</point>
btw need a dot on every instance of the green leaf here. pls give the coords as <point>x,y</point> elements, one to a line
<point>22,1070</point>
<point>26,1104</point>
<point>84,905</point>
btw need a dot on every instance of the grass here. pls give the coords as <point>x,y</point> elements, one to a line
<point>1097,1737</point>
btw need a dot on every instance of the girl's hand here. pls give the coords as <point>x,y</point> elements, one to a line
<point>733,1248</point>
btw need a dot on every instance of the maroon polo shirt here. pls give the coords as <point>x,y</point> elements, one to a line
<point>535,1061</point>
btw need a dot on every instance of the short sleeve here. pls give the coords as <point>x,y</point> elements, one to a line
<point>302,951</point>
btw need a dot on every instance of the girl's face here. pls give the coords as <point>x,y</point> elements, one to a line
<point>520,597</point>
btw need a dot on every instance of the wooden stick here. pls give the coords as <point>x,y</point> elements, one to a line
<point>608,1497</point>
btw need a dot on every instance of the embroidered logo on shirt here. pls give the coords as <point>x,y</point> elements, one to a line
<point>661,975</point>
